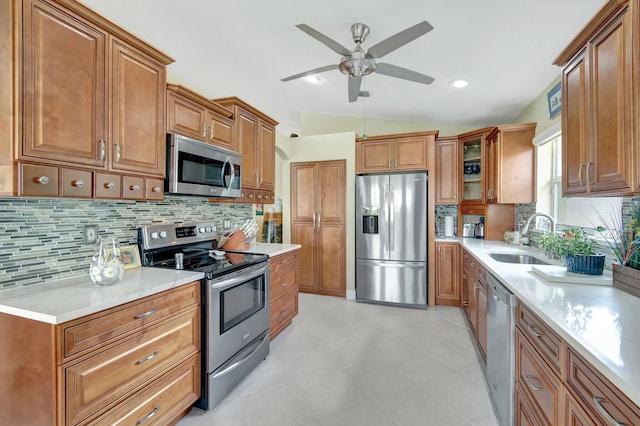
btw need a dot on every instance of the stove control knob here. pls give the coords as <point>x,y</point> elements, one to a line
<point>208,229</point>
<point>201,230</point>
<point>163,234</point>
<point>154,235</point>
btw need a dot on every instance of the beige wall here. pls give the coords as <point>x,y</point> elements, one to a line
<point>537,111</point>
<point>339,146</point>
<point>320,124</point>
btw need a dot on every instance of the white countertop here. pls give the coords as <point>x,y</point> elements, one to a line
<point>271,249</point>
<point>64,300</point>
<point>601,322</point>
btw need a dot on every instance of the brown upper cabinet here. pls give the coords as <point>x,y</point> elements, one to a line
<point>473,166</point>
<point>82,93</point>
<point>255,135</point>
<point>193,115</point>
<point>446,170</point>
<point>600,103</point>
<point>393,153</point>
<point>510,164</point>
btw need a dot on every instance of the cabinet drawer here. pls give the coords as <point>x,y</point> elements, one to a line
<point>162,400</point>
<point>283,261</point>
<point>37,180</point>
<point>545,340</point>
<point>598,394</point>
<point>132,188</point>
<point>106,327</point>
<point>538,382</point>
<point>76,183</point>
<point>153,189</point>
<point>284,282</point>
<point>470,262</point>
<point>108,185</point>
<point>283,310</point>
<point>103,380</point>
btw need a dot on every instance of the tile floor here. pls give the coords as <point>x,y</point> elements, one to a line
<point>353,364</point>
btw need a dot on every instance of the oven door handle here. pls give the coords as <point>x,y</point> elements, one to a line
<point>239,278</point>
<point>238,363</point>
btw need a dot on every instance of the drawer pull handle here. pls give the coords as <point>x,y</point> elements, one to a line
<point>284,262</point>
<point>284,284</point>
<point>156,189</point>
<point>473,263</point>
<point>149,358</point>
<point>134,188</point>
<point>598,402</point>
<point>43,180</point>
<point>109,185</point>
<point>79,183</point>
<point>146,314</point>
<point>148,416</point>
<point>284,313</point>
<point>533,330</point>
<point>527,378</point>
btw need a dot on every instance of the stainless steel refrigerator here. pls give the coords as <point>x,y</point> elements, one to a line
<point>391,239</point>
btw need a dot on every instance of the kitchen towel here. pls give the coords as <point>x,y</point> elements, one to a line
<point>448,226</point>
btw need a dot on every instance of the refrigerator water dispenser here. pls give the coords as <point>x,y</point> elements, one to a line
<point>369,220</point>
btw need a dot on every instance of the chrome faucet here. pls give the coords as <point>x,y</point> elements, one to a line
<point>525,228</point>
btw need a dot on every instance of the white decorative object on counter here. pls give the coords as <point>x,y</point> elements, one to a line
<point>106,266</point>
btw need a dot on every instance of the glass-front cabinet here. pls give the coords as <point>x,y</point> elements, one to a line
<point>472,166</point>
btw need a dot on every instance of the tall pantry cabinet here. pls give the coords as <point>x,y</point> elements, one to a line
<point>318,223</point>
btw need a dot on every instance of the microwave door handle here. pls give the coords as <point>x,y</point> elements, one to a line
<point>231,172</point>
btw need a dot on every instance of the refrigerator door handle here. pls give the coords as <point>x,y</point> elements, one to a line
<point>385,232</point>
<point>392,235</point>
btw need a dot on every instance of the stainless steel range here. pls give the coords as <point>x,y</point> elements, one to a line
<point>235,297</point>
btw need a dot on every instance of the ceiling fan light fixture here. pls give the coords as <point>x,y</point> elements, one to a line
<point>459,84</point>
<point>314,79</point>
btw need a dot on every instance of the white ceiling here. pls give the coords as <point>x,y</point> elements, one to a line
<point>244,47</point>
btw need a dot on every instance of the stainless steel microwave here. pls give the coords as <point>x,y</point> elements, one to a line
<point>198,168</point>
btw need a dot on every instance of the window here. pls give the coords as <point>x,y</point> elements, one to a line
<point>584,212</point>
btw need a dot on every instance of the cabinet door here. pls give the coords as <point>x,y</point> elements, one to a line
<point>491,170</point>
<point>305,235</point>
<point>609,167</point>
<point>267,158</point>
<point>331,259</point>
<point>330,178</point>
<point>447,281</point>
<point>410,154</point>
<point>138,112</point>
<point>376,156</point>
<point>64,87</point>
<point>248,136</point>
<point>574,414</point>
<point>575,126</point>
<point>302,186</point>
<point>447,172</point>
<point>219,131</point>
<point>185,117</point>
<point>473,303</point>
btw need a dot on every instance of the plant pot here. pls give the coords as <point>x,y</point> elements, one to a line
<point>588,265</point>
<point>626,279</point>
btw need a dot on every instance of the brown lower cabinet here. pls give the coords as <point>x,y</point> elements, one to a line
<point>123,365</point>
<point>447,274</point>
<point>475,305</point>
<point>284,291</point>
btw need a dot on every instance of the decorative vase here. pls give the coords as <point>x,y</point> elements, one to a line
<point>589,265</point>
<point>106,266</point>
<point>626,279</point>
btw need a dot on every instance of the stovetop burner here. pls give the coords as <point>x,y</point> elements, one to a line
<point>160,244</point>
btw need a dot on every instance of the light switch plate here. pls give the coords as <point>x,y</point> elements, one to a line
<point>90,234</point>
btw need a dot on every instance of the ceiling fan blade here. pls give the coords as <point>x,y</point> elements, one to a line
<point>330,43</point>
<point>311,72</point>
<point>395,41</point>
<point>403,73</point>
<point>354,88</point>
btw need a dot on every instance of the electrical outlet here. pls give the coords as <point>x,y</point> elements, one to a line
<point>227,224</point>
<point>90,234</point>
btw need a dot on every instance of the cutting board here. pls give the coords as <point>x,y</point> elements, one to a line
<point>560,274</point>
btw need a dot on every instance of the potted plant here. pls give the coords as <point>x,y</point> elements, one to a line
<point>624,241</point>
<point>577,248</point>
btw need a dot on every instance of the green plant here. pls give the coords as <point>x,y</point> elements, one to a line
<point>572,241</point>
<point>623,239</point>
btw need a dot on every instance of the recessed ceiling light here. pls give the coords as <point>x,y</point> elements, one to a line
<point>314,79</point>
<point>459,84</point>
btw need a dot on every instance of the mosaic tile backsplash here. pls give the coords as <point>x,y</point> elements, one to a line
<point>42,239</point>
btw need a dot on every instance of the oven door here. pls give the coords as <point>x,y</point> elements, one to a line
<point>237,312</point>
<point>198,168</point>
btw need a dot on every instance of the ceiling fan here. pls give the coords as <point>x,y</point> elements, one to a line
<point>357,63</point>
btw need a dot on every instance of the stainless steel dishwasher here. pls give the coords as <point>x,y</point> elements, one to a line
<point>501,316</point>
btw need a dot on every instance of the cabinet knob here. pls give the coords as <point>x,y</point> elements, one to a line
<point>43,180</point>
<point>79,183</point>
<point>134,188</point>
<point>259,196</point>
<point>250,196</point>
<point>109,185</point>
<point>156,189</point>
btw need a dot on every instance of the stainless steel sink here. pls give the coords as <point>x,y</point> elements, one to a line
<point>517,258</point>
